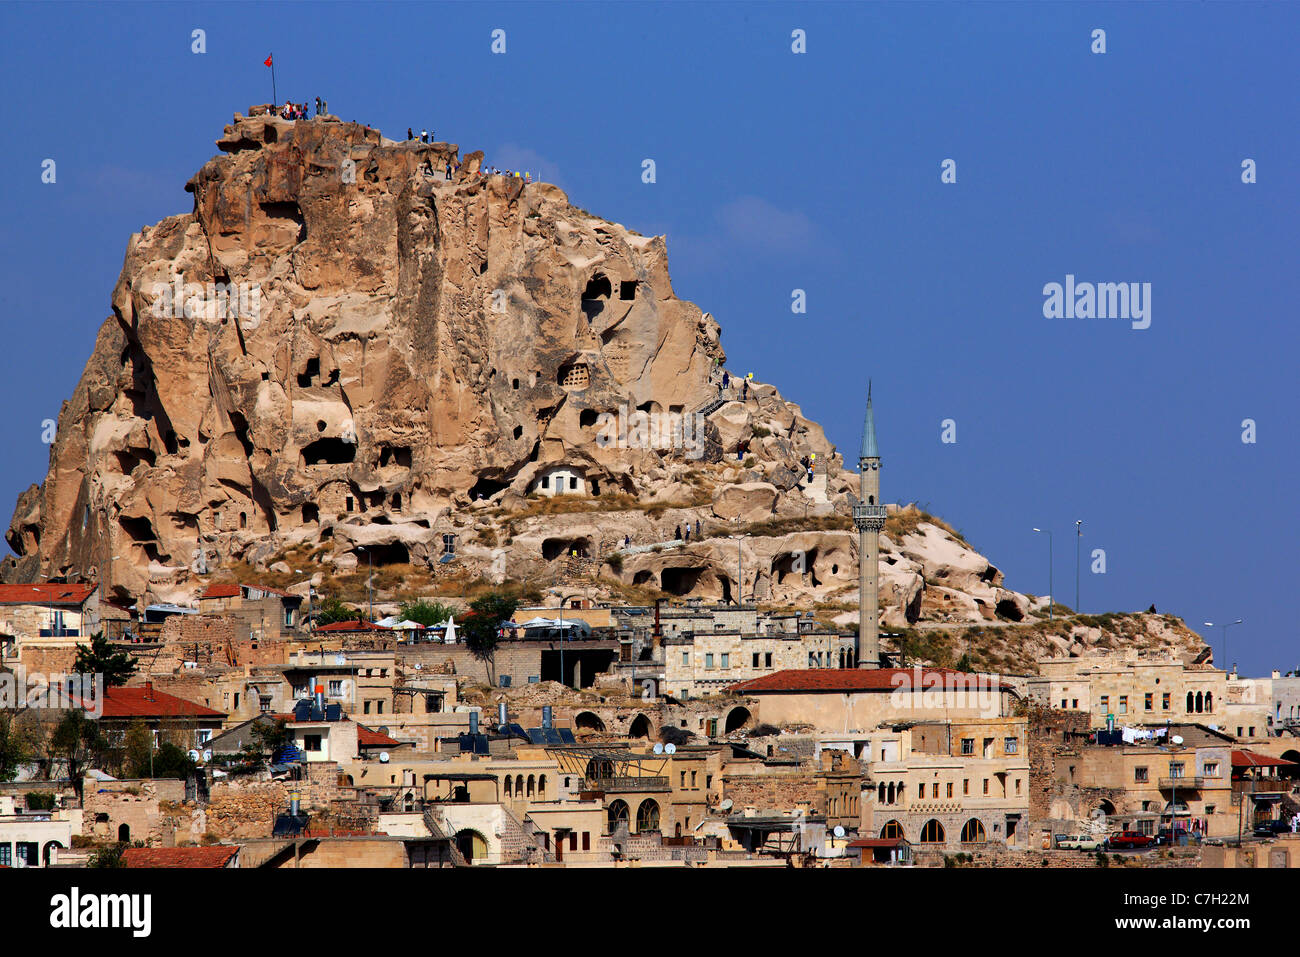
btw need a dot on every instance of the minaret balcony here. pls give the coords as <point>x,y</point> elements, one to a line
<point>869,516</point>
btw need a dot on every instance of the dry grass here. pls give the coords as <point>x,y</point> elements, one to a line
<point>907,520</point>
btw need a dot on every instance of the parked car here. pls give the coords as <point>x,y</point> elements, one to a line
<point>1166,837</point>
<point>1130,840</point>
<point>1272,828</point>
<point>1079,842</point>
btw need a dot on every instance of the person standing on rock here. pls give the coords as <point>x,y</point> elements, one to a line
<point>697,528</point>
<point>688,531</point>
<point>409,134</point>
<point>726,380</point>
<point>678,536</point>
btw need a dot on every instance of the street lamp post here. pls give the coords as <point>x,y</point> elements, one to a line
<point>1078,544</point>
<point>740,570</point>
<point>1051,588</point>
<point>1225,626</point>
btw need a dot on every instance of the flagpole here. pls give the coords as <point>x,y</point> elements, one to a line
<point>275,100</point>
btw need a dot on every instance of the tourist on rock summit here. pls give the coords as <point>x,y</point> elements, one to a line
<point>726,380</point>
<point>409,134</point>
<point>424,136</point>
<point>318,107</point>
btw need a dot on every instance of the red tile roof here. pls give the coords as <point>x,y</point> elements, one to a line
<point>147,702</point>
<point>840,680</point>
<point>1253,759</point>
<point>367,738</point>
<point>355,624</point>
<point>226,590</point>
<point>220,591</point>
<point>75,594</point>
<point>218,855</point>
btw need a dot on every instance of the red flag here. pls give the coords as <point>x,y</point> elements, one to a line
<point>268,62</point>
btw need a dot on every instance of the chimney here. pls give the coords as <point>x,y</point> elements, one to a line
<point>473,722</point>
<point>546,717</point>
<point>148,691</point>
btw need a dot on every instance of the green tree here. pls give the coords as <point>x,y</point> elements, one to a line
<point>138,750</point>
<point>172,761</point>
<point>480,628</point>
<point>426,612</point>
<point>77,741</point>
<point>99,658</point>
<point>110,855</point>
<point>15,746</point>
<point>332,610</point>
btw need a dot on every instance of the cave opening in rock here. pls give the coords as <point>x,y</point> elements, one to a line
<point>680,581</point>
<point>310,514</point>
<point>310,373</point>
<point>553,548</point>
<point>485,488</point>
<point>1008,609</point>
<point>287,211</point>
<point>329,451</point>
<point>399,455</point>
<point>596,295</point>
<point>240,425</point>
<point>393,554</point>
<point>139,529</point>
<point>587,418</point>
<point>627,289</point>
<point>519,430</point>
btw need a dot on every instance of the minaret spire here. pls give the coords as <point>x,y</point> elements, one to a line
<point>869,517</point>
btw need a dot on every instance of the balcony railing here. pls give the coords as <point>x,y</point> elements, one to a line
<point>618,784</point>
<point>868,511</point>
<point>1192,783</point>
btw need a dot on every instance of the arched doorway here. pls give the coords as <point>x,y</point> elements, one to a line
<point>737,718</point>
<point>47,855</point>
<point>647,816</point>
<point>124,832</point>
<point>640,727</point>
<point>891,831</point>
<point>588,721</point>
<point>618,813</point>
<point>472,845</point>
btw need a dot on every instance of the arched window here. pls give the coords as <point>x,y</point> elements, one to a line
<point>1209,701</point>
<point>618,814</point>
<point>508,786</point>
<point>972,832</point>
<point>647,816</point>
<point>1200,703</point>
<point>890,798</point>
<point>531,782</point>
<point>932,832</point>
<point>881,798</point>
<point>541,786</point>
<point>891,831</point>
<point>124,832</point>
<point>1191,703</point>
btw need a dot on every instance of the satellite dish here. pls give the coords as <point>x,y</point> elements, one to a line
<point>659,748</point>
<point>670,749</point>
<point>418,666</point>
<point>383,757</point>
<point>726,805</point>
<point>839,830</point>
<point>194,755</point>
<point>207,754</point>
<point>1178,739</point>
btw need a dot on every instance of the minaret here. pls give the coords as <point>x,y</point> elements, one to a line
<point>869,517</point>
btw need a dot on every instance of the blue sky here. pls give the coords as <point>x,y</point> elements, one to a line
<point>821,172</point>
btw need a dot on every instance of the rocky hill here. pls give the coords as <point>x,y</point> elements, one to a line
<point>355,351</point>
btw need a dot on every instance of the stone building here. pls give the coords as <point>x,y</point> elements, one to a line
<point>41,625</point>
<point>1133,690</point>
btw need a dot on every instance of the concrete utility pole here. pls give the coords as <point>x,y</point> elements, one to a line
<point>869,517</point>
<point>1078,544</point>
<point>1051,587</point>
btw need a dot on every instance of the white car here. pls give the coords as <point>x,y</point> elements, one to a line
<point>1079,842</point>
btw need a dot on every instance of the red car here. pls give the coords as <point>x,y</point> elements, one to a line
<point>1130,840</point>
